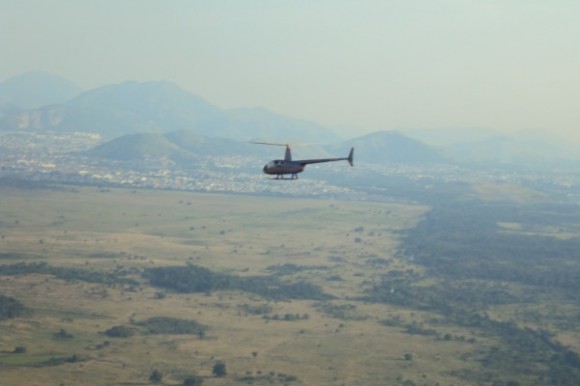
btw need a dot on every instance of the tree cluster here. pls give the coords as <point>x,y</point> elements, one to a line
<point>472,263</point>
<point>465,241</point>
<point>168,325</point>
<point>193,278</point>
<point>10,307</point>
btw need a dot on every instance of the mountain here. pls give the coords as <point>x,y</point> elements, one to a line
<point>125,108</point>
<point>132,107</point>
<point>160,107</point>
<point>178,146</point>
<point>389,147</point>
<point>258,122</point>
<point>210,146</point>
<point>482,146</point>
<point>35,89</point>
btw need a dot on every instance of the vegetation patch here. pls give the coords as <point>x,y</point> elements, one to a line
<point>262,309</point>
<point>271,378</point>
<point>61,360</point>
<point>290,269</point>
<point>167,325</point>
<point>26,360</point>
<point>466,241</point>
<point>15,256</point>
<point>120,332</point>
<point>340,311</point>
<point>10,307</point>
<point>65,273</point>
<point>288,317</point>
<point>104,255</point>
<point>193,278</point>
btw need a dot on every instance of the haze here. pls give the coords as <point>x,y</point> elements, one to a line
<point>372,65</point>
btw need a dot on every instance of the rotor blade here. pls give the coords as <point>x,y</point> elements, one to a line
<point>269,143</point>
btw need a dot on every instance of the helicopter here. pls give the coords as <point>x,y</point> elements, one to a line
<point>282,167</point>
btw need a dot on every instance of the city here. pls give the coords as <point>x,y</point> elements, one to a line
<point>53,157</point>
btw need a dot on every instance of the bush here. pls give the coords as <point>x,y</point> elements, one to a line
<point>120,332</point>
<point>219,369</point>
<point>155,376</point>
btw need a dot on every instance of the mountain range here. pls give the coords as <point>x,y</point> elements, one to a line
<point>162,118</point>
<point>150,107</point>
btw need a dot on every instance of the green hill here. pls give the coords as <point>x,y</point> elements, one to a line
<point>389,147</point>
<point>139,146</point>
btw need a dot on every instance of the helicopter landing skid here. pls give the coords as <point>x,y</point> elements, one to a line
<point>281,177</point>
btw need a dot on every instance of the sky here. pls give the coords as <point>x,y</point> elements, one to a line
<point>505,65</point>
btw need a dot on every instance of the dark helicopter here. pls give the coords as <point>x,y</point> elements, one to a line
<point>281,167</point>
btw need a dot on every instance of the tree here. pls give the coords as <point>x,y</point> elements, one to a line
<point>155,376</point>
<point>219,369</point>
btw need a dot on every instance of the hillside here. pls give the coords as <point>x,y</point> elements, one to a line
<point>134,147</point>
<point>380,148</point>
<point>209,146</point>
<point>258,122</point>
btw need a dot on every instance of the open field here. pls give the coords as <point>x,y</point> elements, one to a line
<point>343,247</point>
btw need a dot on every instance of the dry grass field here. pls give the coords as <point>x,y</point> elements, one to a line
<point>131,230</point>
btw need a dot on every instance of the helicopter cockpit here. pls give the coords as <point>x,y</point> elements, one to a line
<point>273,164</point>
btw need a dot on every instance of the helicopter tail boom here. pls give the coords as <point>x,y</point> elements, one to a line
<point>315,161</point>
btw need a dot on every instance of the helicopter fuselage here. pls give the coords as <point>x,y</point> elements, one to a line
<point>281,167</point>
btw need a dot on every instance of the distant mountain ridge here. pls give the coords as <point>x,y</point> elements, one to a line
<point>483,146</point>
<point>513,151</point>
<point>159,107</point>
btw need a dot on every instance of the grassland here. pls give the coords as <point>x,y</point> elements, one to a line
<point>343,247</point>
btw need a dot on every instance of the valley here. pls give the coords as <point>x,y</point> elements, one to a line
<point>279,290</point>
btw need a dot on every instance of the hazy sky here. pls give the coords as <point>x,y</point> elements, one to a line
<point>372,64</point>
